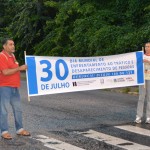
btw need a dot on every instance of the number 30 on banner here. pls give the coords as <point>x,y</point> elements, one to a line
<point>57,72</point>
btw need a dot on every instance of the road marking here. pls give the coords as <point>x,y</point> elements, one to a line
<point>118,142</point>
<point>56,144</point>
<point>134,129</point>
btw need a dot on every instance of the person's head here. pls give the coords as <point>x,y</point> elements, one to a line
<point>8,45</point>
<point>147,48</point>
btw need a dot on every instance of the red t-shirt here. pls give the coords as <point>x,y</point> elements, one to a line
<point>8,62</point>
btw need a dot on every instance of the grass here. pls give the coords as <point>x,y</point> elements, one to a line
<point>128,90</point>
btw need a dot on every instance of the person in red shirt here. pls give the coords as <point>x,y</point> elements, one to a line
<point>9,92</point>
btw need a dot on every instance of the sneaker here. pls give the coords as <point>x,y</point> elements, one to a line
<point>138,119</point>
<point>147,120</point>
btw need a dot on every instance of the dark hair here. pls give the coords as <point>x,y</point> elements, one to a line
<point>144,45</point>
<point>147,42</point>
<point>4,41</point>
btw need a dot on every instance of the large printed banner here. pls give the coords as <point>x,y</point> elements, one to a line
<point>49,75</point>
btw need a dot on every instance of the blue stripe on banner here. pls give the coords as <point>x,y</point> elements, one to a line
<point>32,78</point>
<point>140,74</point>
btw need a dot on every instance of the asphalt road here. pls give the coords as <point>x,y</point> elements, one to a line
<point>65,116</point>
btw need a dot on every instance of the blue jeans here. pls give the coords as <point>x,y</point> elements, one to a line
<point>10,96</point>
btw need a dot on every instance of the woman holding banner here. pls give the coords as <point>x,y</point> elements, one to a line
<point>144,90</point>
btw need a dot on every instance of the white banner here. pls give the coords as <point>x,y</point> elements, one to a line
<point>49,75</point>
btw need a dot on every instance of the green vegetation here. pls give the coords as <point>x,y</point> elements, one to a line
<point>133,90</point>
<point>75,27</point>
<point>126,90</point>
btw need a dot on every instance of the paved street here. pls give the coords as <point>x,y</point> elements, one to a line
<point>88,120</point>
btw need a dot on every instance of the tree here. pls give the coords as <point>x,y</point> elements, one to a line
<point>76,28</point>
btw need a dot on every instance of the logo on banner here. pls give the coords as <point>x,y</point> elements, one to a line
<point>129,79</point>
<point>102,81</point>
<point>119,80</point>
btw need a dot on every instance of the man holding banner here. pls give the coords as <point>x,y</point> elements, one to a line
<point>9,93</point>
<point>144,90</point>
